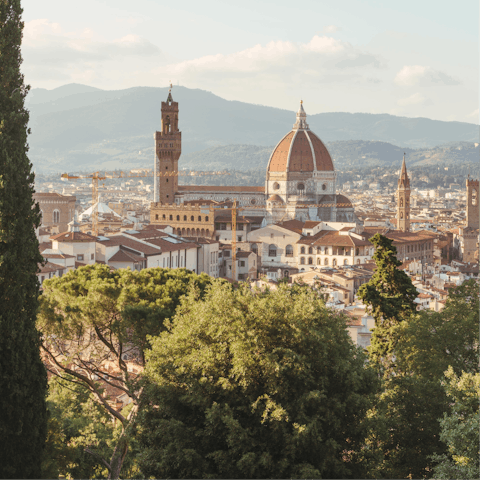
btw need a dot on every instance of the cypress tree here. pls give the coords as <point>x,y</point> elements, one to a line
<point>23,380</point>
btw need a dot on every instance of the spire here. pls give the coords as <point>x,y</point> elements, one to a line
<point>403,180</point>
<point>170,98</point>
<point>301,123</point>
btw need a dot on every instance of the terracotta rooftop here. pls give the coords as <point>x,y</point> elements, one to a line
<point>293,225</point>
<point>123,256</point>
<point>73,237</point>
<point>214,188</point>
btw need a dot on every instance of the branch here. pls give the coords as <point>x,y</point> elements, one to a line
<point>91,385</point>
<point>98,457</point>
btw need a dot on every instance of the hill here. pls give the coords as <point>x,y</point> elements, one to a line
<point>77,125</point>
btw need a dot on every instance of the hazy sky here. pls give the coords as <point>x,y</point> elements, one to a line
<point>415,58</point>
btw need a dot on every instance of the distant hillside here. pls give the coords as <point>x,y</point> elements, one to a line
<point>78,125</point>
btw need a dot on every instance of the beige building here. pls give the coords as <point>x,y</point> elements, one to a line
<point>57,210</point>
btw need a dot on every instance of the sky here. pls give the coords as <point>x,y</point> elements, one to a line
<point>414,58</point>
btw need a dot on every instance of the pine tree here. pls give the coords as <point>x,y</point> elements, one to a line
<point>390,294</point>
<point>23,380</point>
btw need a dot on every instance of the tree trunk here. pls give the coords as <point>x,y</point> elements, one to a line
<point>118,457</point>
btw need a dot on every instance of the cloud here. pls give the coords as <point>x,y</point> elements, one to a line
<point>423,76</point>
<point>46,44</point>
<point>321,58</point>
<point>474,114</point>
<point>331,29</point>
<point>415,99</point>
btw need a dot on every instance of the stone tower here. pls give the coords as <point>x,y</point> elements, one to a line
<point>403,200</point>
<point>168,147</point>
<point>472,203</point>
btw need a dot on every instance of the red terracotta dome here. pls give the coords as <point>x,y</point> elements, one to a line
<point>300,150</point>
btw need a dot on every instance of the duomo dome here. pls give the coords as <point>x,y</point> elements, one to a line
<point>300,150</point>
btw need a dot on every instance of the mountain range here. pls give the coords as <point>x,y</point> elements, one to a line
<point>76,127</point>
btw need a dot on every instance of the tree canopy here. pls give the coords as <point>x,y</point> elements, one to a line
<point>95,323</point>
<point>254,385</point>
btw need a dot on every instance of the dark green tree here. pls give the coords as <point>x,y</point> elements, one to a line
<point>390,295</point>
<point>408,437</point>
<point>254,385</point>
<point>94,321</point>
<point>23,381</point>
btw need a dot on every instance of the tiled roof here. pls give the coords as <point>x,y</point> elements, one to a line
<point>123,256</point>
<point>130,243</point>
<point>57,255</point>
<point>310,224</point>
<point>214,188</point>
<point>406,237</point>
<point>57,195</point>
<point>167,246</point>
<point>73,237</point>
<point>243,254</point>
<point>50,267</point>
<point>293,225</point>
<point>44,246</point>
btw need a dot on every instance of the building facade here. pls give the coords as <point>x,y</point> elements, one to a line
<point>403,200</point>
<point>57,210</point>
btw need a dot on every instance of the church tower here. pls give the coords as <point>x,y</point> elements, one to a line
<point>403,200</point>
<point>168,147</point>
<point>472,203</point>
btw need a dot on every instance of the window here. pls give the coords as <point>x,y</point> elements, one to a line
<point>185,218</point>
<point>334,262</point>
<point>92,256</point>
<point>357,251</point>
<point>192,218</point>
<point>199,218</point>
<point>239,238</point>
<point>289,251</point>
<point>276,186</point>
<point>302,250</point>
<point>302,260</point>
<point>217,238</point>
<point>310,260</point>
<point>301,187</point>
<point>272,250</point>
<point>345,262</point>
<point>156,216</point>
<point>171,217</point>
<point>325,262</point>
<point>324,187</point>
<point>240,226</point>
<point>242,263</point>
<point>226,253</point>
<point>401,202</point>
<point>56,216</point>
<point>310,250</point>
<point>255,248</point>
<point>206,218</point>
<point>178,217</point>
<point>167,180</point>
<point>80,257</point>
<point>163,217</point>
<point>319,261</point>
<point>223,226</point>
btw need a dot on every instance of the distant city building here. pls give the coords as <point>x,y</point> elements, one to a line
<point>57,210</point>
<point>300,183</point>
<point>403,199</point>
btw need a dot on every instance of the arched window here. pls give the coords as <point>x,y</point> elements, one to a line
<point>301,187</point>
<point>206,218</point>
<point>255,248</point>
<point>357,251</point>
<point>56,216</point>
<point>401,202</point>
<point>310,250</point>
<point>302,260</point>
<point>207,233</point>
<point>163,217</point>
<point>310,260</point>
<point>345,262</point>
<point>325,261</point>
<point>192,218</point>
<point>319,261</point>
<point>289,251</point>
<point>318,250</point>
<point>199,218</point>
<point>358,261</point>
<point>178,217</point>
<point>171,217</point>
<point>185,217</point>
<point>302,250</point>
<point>272,250</point>
<point>401,214</point>
<point>334,262</point>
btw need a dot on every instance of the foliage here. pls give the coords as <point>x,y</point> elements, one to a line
<point>23,380</point>
<point>390,294</point>
<point>459,429</point>
<point>254,385</point>
<point>407,440</point>
<point>95,323</point>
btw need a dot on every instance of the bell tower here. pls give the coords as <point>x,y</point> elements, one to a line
<point>472,203</point>
<point>403,200</point>
<point>168,147</point>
